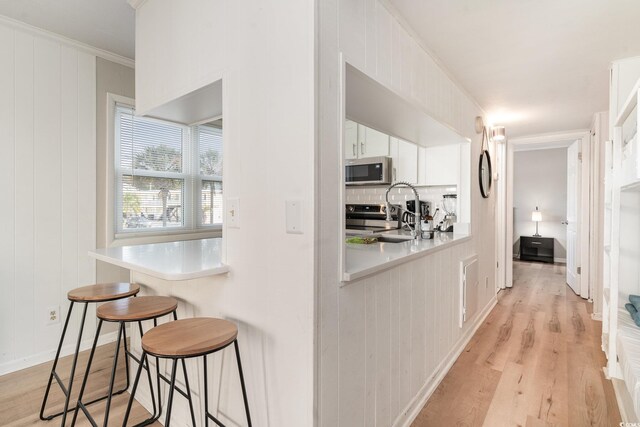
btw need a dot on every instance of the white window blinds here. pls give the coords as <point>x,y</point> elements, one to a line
<point>169,177</point>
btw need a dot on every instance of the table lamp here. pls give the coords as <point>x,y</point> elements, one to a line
<point>536,216</point>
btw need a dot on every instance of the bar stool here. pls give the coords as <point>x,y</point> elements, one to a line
<point>126,311</point>
<point>87,294</point>
<point>185,339</point>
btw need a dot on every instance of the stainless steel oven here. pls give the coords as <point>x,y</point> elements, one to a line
<point>370,171</point>
<point>371,218</point>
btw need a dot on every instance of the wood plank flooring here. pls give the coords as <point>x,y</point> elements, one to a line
<point>536,361</point>
<point>21,392</point>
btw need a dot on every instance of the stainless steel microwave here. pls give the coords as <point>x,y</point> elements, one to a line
<point>370,171</point>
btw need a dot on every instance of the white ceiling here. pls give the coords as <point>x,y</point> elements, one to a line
<point>106,24</point>
<point>535,66</point>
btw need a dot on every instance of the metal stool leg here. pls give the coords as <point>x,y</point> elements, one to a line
<point>73,366</point>
<point>207,414</point>
<point>79,404</point>
<point>244,390</point>
<point>135,386</point>
<point>186,384</point>
<point>53,368</point>
<point>171,389</point>
<point>113,374</point>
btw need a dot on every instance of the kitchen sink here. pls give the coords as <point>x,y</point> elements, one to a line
<point>394,239</point>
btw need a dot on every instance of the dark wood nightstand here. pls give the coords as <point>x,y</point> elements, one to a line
<point>536,249</point>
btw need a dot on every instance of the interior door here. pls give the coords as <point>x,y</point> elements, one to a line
<point>573,216</point>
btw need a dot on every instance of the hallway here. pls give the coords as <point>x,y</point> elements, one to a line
<point>536,361</point>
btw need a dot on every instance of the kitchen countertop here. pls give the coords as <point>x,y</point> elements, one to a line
<point>363,260</point>
<point>183,260</point>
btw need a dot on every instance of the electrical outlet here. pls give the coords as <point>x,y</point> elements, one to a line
<point>53,315</point>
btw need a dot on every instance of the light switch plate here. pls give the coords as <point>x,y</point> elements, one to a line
<point>233,212</point>
<point>293,215</point>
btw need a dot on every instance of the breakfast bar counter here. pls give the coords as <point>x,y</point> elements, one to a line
<point>363,260</point>
<point>183,260</point>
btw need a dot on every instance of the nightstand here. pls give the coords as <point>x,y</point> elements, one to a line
<point>536,249</point>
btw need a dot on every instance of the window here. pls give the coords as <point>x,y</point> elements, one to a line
<point>168,176</point>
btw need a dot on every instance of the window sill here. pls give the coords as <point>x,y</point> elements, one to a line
<point>124,239</point>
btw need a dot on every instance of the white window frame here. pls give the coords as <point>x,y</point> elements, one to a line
<point>192,227</point>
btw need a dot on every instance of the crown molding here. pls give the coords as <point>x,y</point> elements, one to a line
<point>136,3</point>
<point>100,53</point>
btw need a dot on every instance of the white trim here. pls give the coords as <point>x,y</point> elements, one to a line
<point>549,137</point>
<point>624,400</point>
<point>500,215</point>
<point>508,218</point>
<point>413,409</point>
<point>113,238</point>
<point>49,355</point>
<point>100,53</point>
<point>547,141</point>
<point>585,213</point>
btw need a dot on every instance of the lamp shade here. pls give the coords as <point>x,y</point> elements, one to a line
<point>536,216</point>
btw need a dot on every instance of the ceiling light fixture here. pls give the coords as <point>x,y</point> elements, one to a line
<point>498,133</point>
<point>493,133</point>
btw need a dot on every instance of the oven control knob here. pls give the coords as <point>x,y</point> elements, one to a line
<point>351,208</point>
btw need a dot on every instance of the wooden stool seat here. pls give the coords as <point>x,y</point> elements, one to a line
<point>189,337</point>
<point>135,309</point>
<point>103,292</point>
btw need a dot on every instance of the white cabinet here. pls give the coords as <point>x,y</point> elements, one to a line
<point>442,165</point>
<point>350,140</point>
<point>405,160</point>
<point>372,143</point>
<point>361,141</point>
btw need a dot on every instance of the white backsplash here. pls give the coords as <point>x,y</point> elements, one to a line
<point>374,195</point>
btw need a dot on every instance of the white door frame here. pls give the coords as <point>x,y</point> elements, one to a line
<point>541,142</point>
<point>500,179</point>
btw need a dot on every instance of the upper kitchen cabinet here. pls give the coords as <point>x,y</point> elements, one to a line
<point>361,141</point>
<point>404,157</point>
<point>350,140</point>
<point>372,143</point>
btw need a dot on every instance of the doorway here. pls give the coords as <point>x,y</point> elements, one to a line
<point>544,191</point>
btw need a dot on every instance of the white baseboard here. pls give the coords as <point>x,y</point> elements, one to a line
<point>411,412</point>
<point>560,260</point>
<point>625,402</point>
<point>49,355</point>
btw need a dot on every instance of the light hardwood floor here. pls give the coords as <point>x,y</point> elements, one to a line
<point>536,361</point>
<point>21,392</point>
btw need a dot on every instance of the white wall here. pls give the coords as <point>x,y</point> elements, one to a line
<point>119,80</point>
<point>540,179</point>
<point>48,214</point>
<point>265,56</point>
<point>381,347</point>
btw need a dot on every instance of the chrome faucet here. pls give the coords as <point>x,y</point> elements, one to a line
<point>417,230</point>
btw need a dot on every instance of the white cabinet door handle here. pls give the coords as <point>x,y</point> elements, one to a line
<point>353,147</point>
<point>362,148</point>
